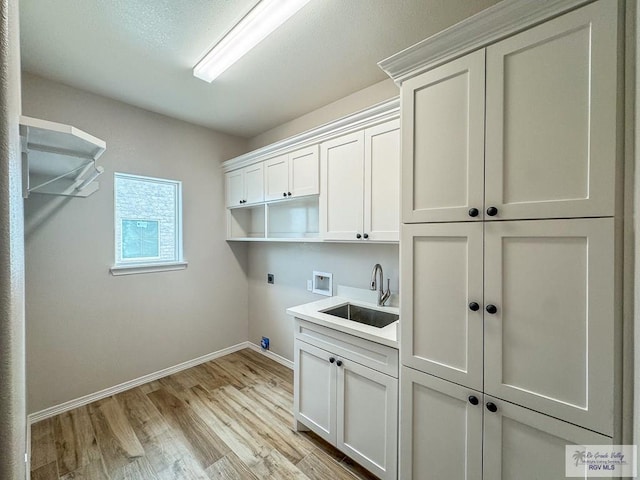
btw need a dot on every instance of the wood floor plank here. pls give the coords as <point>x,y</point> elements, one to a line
<point>288,442</point>
<point>285,373</point>
<point>166,452</point>
<point>139,469</point>
<point>249,373</point>
<point>319,466</point>
<point>76,443</point>
<point>220,376</point>
<point>95,470</point>
<point>262,460</point>
<point>235,377</point>
<point>203,442</point>
<point>230,467</point>
<point>48,471</point>
<point>282,408</point>
<point>207,378</point>
<point>117,440</point>
<point>43,447</point>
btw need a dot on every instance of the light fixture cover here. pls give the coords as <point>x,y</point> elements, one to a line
<point>263,19</point>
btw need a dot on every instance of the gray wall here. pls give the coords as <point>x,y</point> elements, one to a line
<point>88,330</point>
<point>12,348</point>
<point>293,264</point>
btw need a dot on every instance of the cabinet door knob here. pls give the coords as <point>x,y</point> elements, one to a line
<point>358,236</point>
<point>492,407</point>
<point>491,309</point>
<point>473,212</point>
<point>339,363</point>
<point>332,359</point>
<point>473,400</point>
<point>366,235</point>
<point>284,194</point>
<point>474,307</point>
<point>492,211</point>
<point>288,194</point>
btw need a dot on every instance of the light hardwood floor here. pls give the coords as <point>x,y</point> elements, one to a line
<point>225,419</point>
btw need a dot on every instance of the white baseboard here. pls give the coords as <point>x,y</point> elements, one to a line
<point>136,382</point>
<point>273,356</point>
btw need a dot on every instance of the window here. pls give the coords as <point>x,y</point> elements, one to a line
<point>148,224</point>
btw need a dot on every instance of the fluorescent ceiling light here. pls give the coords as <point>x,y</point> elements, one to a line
<point>265,17</point>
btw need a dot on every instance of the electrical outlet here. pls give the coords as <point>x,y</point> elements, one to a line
<point>309,285</point>
<point>270,278</point>
<point>264,343</point>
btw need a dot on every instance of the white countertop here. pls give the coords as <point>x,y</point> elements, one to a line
<point>312,312</point>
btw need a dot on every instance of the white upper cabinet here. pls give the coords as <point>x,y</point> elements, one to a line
<point>551,118</point>
<point>382,181</point>
<point>443,142</point>
<point>539,140</point>
<point>342,187</point>
<point>292,175</point>
<point>304,172</point>
<point>276,177</point>
<point>245,186</point>
<point>549,343</point>
<point>359,179</point>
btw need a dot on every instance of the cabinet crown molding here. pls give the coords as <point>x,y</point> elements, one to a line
<point>378,113</point>
<point>488,26</point>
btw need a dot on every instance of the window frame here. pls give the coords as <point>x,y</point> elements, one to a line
<point>124,266</point>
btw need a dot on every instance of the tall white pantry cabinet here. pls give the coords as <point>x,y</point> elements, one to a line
<point>510,243</point>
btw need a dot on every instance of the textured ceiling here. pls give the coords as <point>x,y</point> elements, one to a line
<point>142,52</point>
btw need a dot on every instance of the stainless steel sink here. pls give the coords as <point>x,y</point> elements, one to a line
<point>364,315</point>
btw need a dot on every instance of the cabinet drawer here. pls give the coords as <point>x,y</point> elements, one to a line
<point>373,355</point>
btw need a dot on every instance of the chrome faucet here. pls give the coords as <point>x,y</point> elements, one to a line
<point>382,295</point>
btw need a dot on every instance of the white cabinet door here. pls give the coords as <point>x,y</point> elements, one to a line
<point>520,444</point>
<point>440,429</point>
<point>304,172</point>
<point>441,276</point>
<point>276,177</point>
<point>551,118</point>
<point>367,427</point>
<point>549,346</point>
<point>254,183</point>
<point>315,390</point>
<point>443,142</point>
<point>342,187</point>
<point>382,181</point>
<point>234,188</point>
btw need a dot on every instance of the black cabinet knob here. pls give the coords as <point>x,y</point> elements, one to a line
<point>473,212</point>
<point>284,194</point>
<point>358,236</point>
<point>288,194</point>
<point>473,400</point>
<point>474,307</point>
<point>339,363</point>
<point>492,211</point>
<point>366,235</point>
<point>492,407</point>
<point>332,359</point>
<point>491,309</point>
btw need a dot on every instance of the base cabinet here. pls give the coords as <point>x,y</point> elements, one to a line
<point>453,432</point>
<point>350,405</point>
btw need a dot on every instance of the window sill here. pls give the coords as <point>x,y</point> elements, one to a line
<point>147,268</point>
